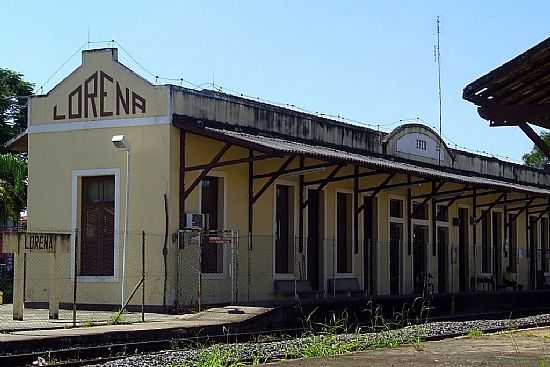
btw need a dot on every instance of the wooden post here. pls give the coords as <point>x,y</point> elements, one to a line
<point>182,179</point>
<point>301,209</point>
<point>250,218</point>
<point>474,236</point>
<point>356,210</point>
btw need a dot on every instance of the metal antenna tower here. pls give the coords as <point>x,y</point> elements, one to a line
<point>437,55</point>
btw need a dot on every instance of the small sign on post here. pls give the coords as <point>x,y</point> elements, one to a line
<point>40,242</point>
<point>37,243</point>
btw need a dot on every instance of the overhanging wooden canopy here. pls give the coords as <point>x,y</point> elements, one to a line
<point>517,93</point>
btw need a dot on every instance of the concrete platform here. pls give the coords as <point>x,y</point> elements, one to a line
<point>37,318</point>
<point>210,322</point>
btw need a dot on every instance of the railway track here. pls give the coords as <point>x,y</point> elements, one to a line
<point>102,353</point>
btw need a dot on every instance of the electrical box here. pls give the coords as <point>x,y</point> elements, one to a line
<point>195,221</point>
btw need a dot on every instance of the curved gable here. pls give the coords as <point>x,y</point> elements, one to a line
<point>418,142</point>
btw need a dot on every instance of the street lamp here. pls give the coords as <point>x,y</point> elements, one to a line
<point>121,143</point>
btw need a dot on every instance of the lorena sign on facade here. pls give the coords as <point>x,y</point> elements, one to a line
<point>83,101</point>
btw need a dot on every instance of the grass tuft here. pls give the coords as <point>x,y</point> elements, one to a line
<point>474,333</point>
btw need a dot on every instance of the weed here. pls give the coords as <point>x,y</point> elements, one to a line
<point>118,319</point>
<point>543,363</point>
<point>217,357</point>
<point>474,333</point>
<point>418,344</point>
<point>88,323</point>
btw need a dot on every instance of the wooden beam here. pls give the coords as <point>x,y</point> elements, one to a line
<point>409,218</point>
<point>205,171</point>
<point>273,177</point>
<point>474,235</point>
<point>512,201</point>
<point>356,209</point>
<point>377,189</point>
<point>393,186</point>
<point>229,162</point>
<point>540,214</point>
<point>250,192</point>
<point>516,215</point>
<point>535,138</point>
<point>513,114</point>
<point>182,180</point>
<point>442,193</point>
<point>435,188</point>
<point>530,207</point>
<point>301,209</point>
<point>345,177</point>
<point>491,206</point>
<point>470,196</point>
<point>326,181</point>
<point>297,170</point>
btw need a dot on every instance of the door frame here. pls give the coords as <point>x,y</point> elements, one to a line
<point>224,274</point>
<point>469,252</point>
<point>284,276</point>
<point>425,223</point>
<point>76,212</point>
<point>403,250</point>
<point>335,247</point>
<point>494,245</point>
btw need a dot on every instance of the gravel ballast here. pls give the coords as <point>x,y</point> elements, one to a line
<point>291,348</point>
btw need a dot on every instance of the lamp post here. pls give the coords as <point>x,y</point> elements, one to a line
<point>121,143</point>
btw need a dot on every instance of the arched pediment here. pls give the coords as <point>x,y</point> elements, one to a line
<point>418,142</point>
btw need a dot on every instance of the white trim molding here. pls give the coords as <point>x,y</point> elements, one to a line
<point>76,174</point>
<point>98,124</point>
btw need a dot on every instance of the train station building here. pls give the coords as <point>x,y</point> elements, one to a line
<point>242,201</point>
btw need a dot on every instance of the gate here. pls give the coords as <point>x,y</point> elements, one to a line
<point>207,267</point>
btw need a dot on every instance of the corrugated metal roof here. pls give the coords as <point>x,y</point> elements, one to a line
<point>321,152</point>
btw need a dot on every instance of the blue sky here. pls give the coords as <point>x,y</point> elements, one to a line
<point>370,61</point>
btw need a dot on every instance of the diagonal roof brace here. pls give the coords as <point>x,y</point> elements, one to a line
<point>325,181</point>
<point>491,206</point>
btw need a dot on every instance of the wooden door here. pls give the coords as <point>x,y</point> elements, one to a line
<point>313,238</point>
<point>98,226</point>
<point>463,244</point>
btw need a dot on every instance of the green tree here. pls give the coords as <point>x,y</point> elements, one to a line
<point>13,120</point>
<point>13,104</point>
<point>13,186</point>
<point>536,158</point>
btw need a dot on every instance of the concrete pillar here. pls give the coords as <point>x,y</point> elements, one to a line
<point>18,279</point>
<point>53,294</point>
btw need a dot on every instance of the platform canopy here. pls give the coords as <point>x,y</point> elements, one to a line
<point>517,93</point>
<point>272,146</point>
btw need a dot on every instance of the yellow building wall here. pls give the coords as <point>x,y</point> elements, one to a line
<point>51,207</point>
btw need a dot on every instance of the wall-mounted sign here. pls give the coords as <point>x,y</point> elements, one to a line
<point>90,99</point>
<point>40,242</point>
<point>419,144</point>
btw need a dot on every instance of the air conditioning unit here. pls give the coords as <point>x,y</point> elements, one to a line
<point>195,221</point>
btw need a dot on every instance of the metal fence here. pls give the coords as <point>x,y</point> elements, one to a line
<point>191,269</point>
<point>88,283</point>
